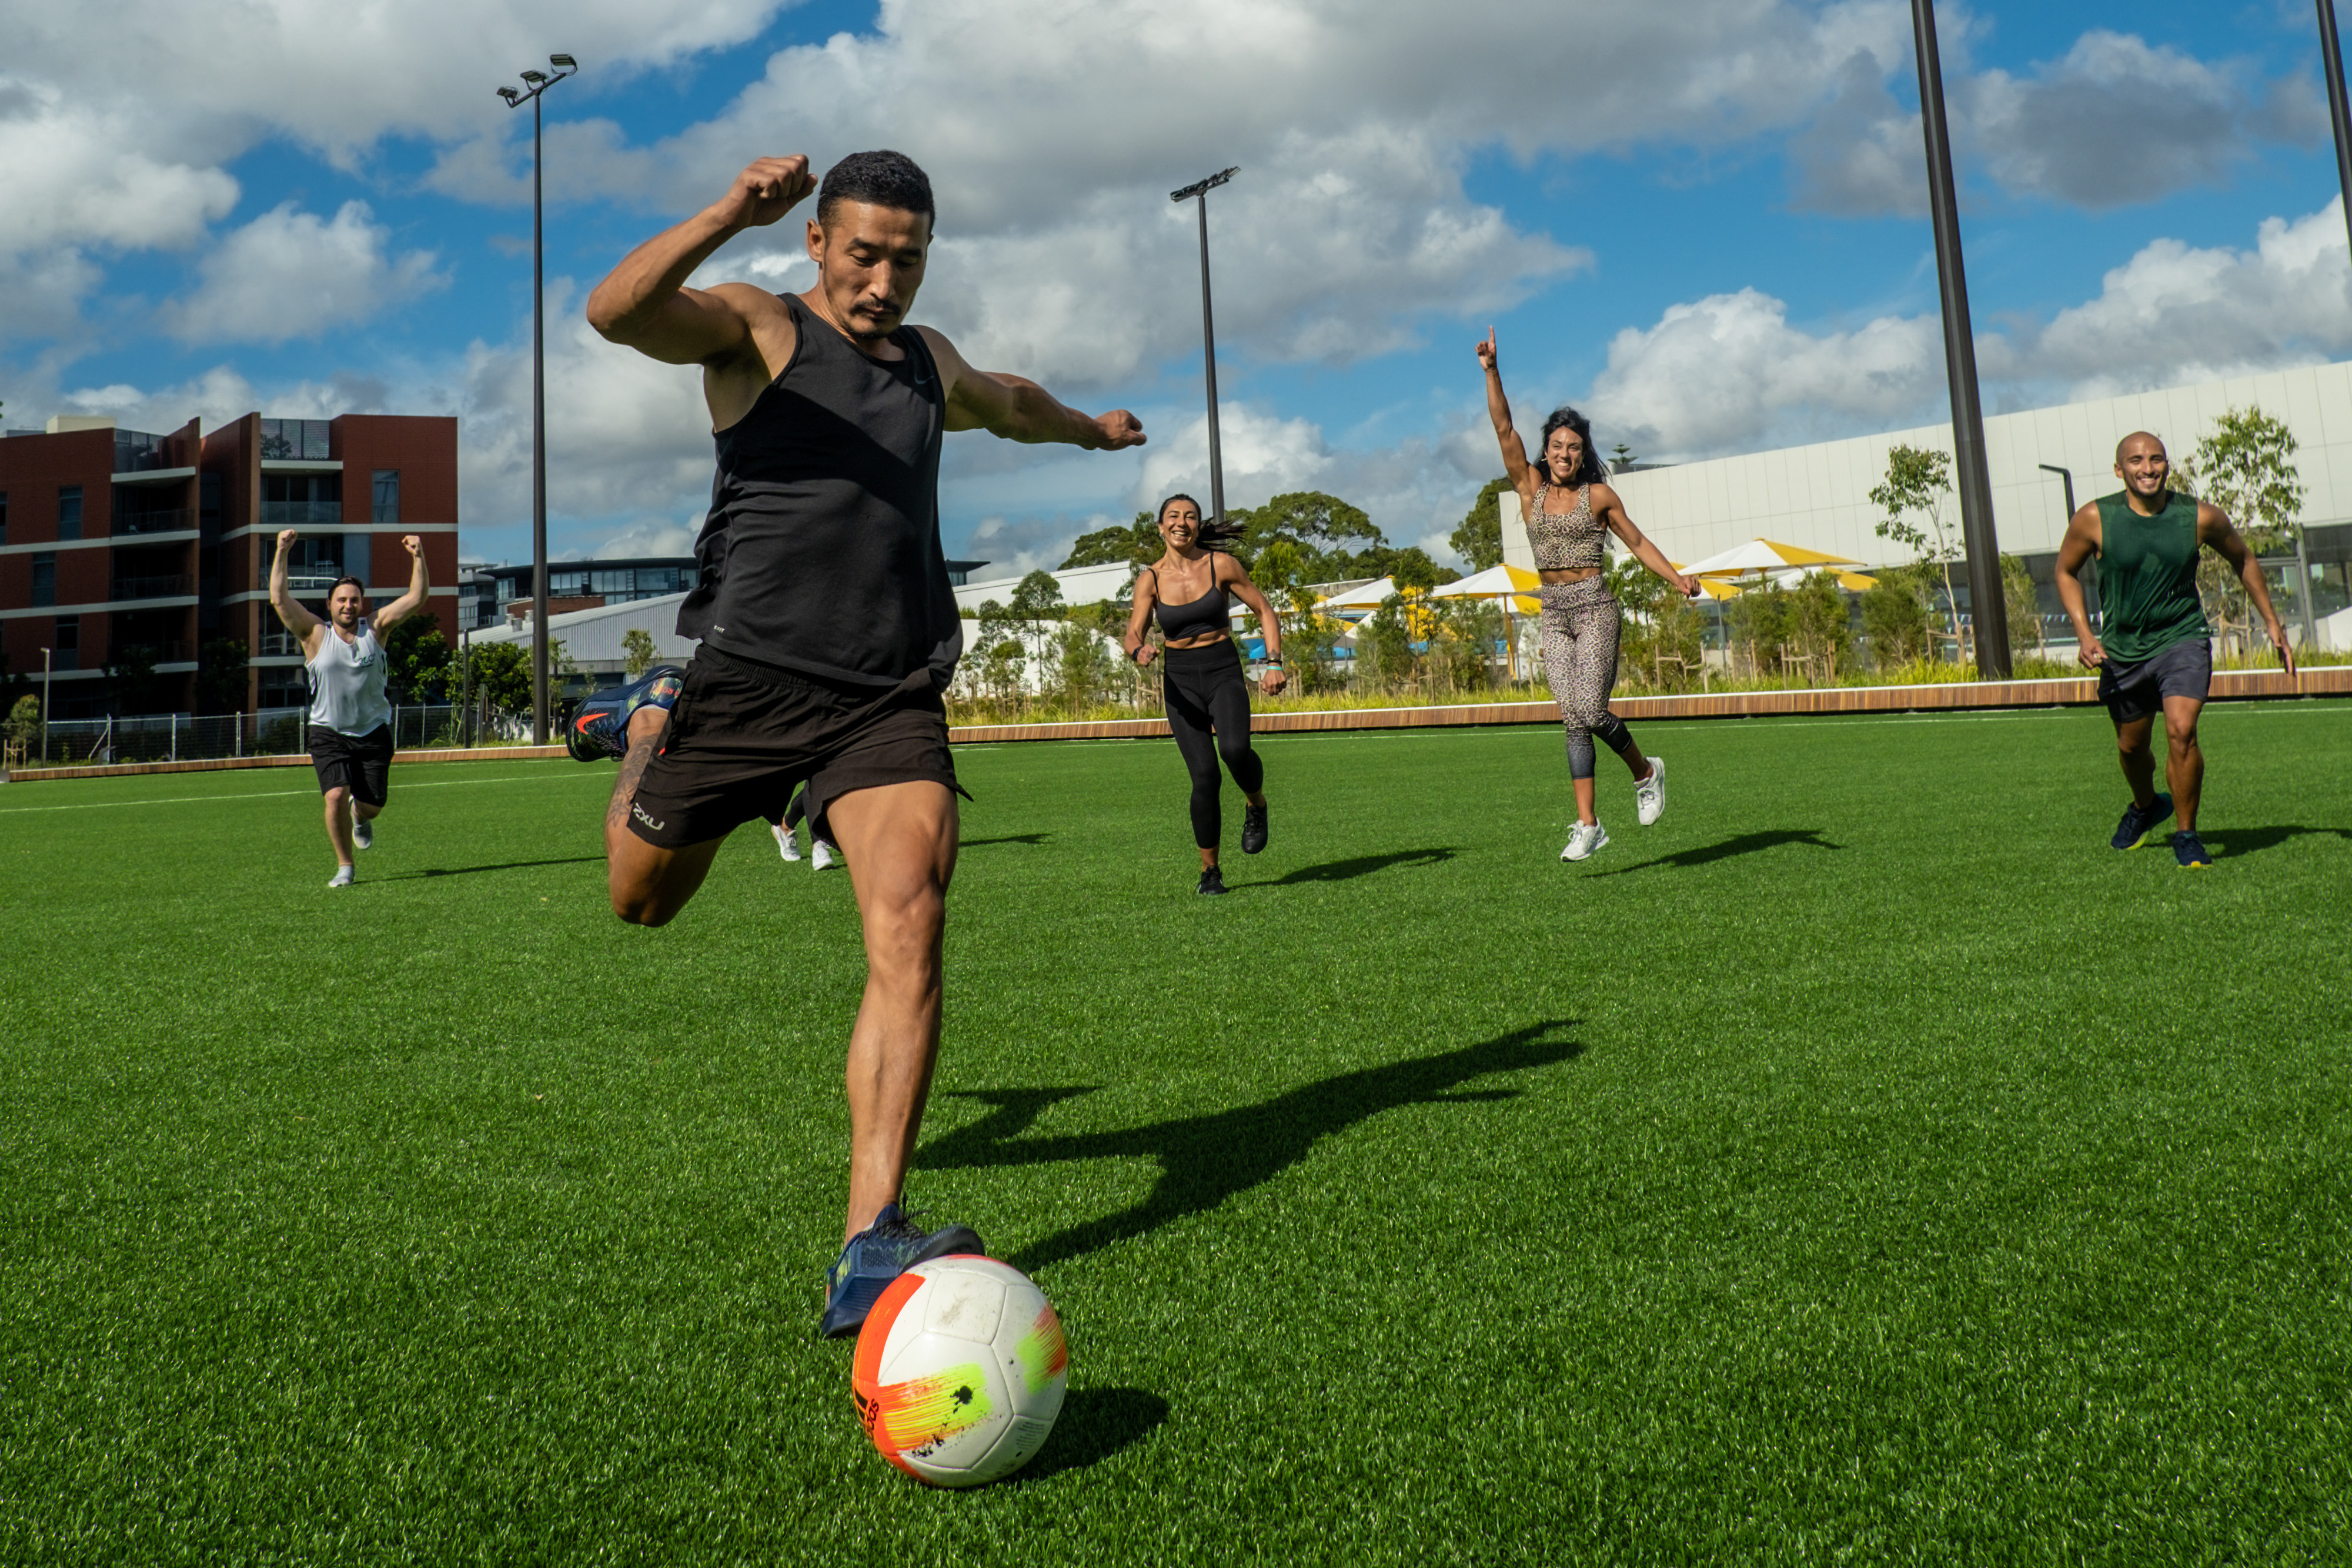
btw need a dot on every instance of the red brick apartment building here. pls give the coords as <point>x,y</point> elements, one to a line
<point>112,539</point>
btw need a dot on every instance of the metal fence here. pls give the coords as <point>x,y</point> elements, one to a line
<point>277,731</point>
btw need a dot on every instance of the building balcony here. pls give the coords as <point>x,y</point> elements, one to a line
<point>167,652</point>
<point>163,585</point>
<point>301,514</point>
<point>136,451</point>
<point>169,521</point>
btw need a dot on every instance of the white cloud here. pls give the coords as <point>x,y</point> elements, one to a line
<point>1731,373</point>
<point>288,275</point>
<point>646,538</point>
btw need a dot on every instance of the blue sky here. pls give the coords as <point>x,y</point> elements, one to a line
<point>1703,224</point>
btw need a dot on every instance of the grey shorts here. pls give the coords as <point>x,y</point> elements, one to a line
<point>2132,692</point>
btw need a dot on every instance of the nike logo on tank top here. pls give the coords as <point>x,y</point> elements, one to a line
<point>822,549</point>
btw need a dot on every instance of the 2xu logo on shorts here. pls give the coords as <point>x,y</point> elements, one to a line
<point>639,813</point>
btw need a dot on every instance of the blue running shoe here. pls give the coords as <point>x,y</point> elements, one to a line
<point>2133,830</point>
<point>600,730</point>
<point>2189,850</point>
<point>878,1255</point>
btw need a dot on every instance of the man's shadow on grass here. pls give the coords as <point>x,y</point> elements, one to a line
<point>473,869</point>
<point>2253,841</point>
<point>1205,1160</point>
<point>1362,865</point>
<point>1742,845</point>
<point>1033,840</point>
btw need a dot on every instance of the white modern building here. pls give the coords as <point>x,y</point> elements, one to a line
<point>1817,497</point>
<point>1079,585</point>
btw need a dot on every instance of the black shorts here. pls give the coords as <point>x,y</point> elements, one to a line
<point>744,735</point>
<point>2133,691</point>
<point>360,763</point>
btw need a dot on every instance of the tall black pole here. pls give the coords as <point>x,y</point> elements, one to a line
<point>1209,336</point>
<point>2333,64</point>
<point>538,444</point>
<point>1960,361</point>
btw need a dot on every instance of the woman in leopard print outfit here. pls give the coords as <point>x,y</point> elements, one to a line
<point>1580,617</point>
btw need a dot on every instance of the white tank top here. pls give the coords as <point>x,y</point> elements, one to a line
<point>347,682</point>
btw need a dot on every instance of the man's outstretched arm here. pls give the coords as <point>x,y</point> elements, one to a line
<point>1019,409</point>
<point>643,303</point>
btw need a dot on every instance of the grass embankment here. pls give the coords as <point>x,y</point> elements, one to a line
<point>1863,1164</point>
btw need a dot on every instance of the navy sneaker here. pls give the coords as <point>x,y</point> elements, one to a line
<point>2136,824</point>
<point>1253,829</point>
<point>600,730</point>
<point>876,1255</point>
<point>2191,851</point>
<point>1211,881</point>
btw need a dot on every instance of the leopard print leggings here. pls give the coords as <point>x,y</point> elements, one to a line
<point>1580,622</point>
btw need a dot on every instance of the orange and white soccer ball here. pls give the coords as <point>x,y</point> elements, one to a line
<point>960,1371</point>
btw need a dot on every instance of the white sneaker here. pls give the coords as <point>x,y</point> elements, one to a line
<point>1582,840</point>
<point>786,845</point>
<point>1649,794</point>
<point>823,856</point>
<point>362,832</point>
<point>343,877</point>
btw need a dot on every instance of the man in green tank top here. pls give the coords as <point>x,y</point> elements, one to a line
<point>2151,650</point>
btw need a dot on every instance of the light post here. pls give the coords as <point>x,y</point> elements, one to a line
<point>537,83</point>
<point>1961,360</point>
<point>2332,65</point>
<point>45,707</point>
<point>1209,334</point>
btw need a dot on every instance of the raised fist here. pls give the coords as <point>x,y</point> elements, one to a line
<point>767,190</point>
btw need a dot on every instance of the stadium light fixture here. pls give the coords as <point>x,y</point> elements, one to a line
<point>1983,546</point>
<point>538,81</point>
<point>1199,191</point>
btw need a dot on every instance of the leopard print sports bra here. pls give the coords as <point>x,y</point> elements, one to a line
<point>1566,541</point>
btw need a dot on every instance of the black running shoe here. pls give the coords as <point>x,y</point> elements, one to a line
<point>876,1255</point>
<point>2133,830</point>
<point>1211,881</point>
<point>600,729</point>
<point>2191,851</point>
<point>1253,829</point>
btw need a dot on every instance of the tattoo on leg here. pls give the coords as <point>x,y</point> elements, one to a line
<point>624,787</point>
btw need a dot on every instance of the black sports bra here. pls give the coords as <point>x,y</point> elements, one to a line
<point>1210,612</point>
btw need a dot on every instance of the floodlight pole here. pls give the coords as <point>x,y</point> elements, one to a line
<point>1960,361</point>
<point>537,82</point>
<point>2332,64</point>
<point>1209,334</point>
<point>45,707</point>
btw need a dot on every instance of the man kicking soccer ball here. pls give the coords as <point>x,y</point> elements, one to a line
<point>2151,653</point>
<point>350,733</point>
<point>827,625</point>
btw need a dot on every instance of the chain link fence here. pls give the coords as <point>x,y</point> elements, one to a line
<point>277,731</point>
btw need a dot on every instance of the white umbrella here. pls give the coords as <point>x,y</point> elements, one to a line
<point>1763,556</point>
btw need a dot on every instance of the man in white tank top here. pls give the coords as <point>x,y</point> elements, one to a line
<point>351,718</point>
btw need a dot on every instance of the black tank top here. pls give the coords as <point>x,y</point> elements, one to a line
<point>1210,612</point>
<point>821,552</point>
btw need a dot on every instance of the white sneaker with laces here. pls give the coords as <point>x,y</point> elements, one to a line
<point>343,877</point>
<point>1582,840</point>
<point>1649,794</point>
<point>362,832</point>
<point>823,856</point>
<point>786,845</point>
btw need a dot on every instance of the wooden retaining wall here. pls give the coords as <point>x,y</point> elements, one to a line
<point>1949,696</point>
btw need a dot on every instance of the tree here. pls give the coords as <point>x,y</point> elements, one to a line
<point>1083,669</point>
<point>2025,609</point>
<point>2246,468</point>
<point>1895,618</point>
<point>1136,544</point>
<point>130,680</point>
<point>221,675</point>
<point>1036,607</point>
<point>636,651</point>
<point>1662,637</point>
<point>1321,527</point>
<point>416,660</point>
<point>1820,623</point>
<point>25,719</point>
<point>1479,540</point>
<point>501,675</point>
<point>1620,459</point>
<point>1916,481</point>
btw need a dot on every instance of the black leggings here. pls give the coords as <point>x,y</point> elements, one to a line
<point>1208,707</point>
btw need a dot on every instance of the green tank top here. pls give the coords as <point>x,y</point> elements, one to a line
<point>2148,578</point>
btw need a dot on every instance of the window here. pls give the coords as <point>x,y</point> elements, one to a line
<point>287,439</point>
<point>65,652</point>
<point>566,584</point>
<point>622,579</point>
<point>45,578</point>
<point>69,511</point>
<point>657,580</point>
<point>387,496</point>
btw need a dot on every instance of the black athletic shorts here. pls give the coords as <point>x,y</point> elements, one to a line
<point>744,736</point>
<point>360,763</point>
<point>2134,691</point>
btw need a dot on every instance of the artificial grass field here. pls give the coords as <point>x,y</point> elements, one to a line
<point>1864,1164</point>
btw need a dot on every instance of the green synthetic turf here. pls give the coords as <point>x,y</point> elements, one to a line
<point>1863,1164</point>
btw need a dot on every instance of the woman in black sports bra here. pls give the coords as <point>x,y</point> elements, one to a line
<point>1208,700</point>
